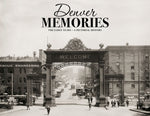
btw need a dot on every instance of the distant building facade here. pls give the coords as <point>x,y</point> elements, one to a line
<point>16,70</point>
<point>133,62</point>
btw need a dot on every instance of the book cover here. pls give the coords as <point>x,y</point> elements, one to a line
<point>110,35</point>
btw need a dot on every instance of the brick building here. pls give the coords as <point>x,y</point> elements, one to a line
<point>133,62</point>
<point>130,61</point>
<point>18,68</point>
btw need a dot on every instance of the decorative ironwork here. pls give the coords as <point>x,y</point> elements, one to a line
<point>59,66</point>
<point>75,45</point>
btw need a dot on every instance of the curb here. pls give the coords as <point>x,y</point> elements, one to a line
<point>141,111</point>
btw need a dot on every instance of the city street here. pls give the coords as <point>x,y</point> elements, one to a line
<point>68,98</point>
<point>73,110</point>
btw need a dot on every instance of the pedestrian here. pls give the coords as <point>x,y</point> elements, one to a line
<point>91,99</point>
<point>138,104</point>
<point>28,106</point>
<point>118,103</point>
<point>107,103</point>
<point>112,103</point>
<point>48,109</point>
<point>105,106</point>
<point>90,105</point>
<point>88,97</point>
<point>127,102</point>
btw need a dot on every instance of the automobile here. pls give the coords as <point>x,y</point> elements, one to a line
<point>146,102</point>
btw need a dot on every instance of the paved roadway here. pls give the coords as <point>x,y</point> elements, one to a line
<point>73,110</point>
<point>67,98</point>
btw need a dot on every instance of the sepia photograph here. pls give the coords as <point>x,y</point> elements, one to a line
<point>74,58</point>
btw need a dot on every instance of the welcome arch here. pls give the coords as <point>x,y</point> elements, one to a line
<point>75,51</point>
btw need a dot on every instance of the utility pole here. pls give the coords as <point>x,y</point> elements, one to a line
<point>138,79</point>
<point>12,84</point>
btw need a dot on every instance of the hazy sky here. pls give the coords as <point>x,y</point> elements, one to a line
<point>21,32</point>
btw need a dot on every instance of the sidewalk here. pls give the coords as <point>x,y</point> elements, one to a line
<point>15,108</point>
<point>140,111</point>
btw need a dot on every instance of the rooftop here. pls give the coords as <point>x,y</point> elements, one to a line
<point>13,58</point>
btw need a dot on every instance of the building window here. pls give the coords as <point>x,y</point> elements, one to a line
<point>25,89</point>
<point>132,76</point>
<point>117,85</point>
<point>20,70</point>
<point>10,70</point>
<point>147,77</point>
<point>118,56</point>
<point>132,67</point>
<point>8,90</point>
<point>1,70</point>
<point>19,90</point>
<point>9,79</point>
<point>24,80</point>
<point>147,85</point>
<point>3,82</point>
<point>146,56</point>
<point>20,80</point>
<point>25,70</point>
<point>132,86</point>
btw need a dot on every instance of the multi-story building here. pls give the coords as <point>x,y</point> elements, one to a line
<point>133,62</point>
<point>14,72</point>
<point>130,61</point>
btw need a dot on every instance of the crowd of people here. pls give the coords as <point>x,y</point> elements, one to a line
<point>116,103</point>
